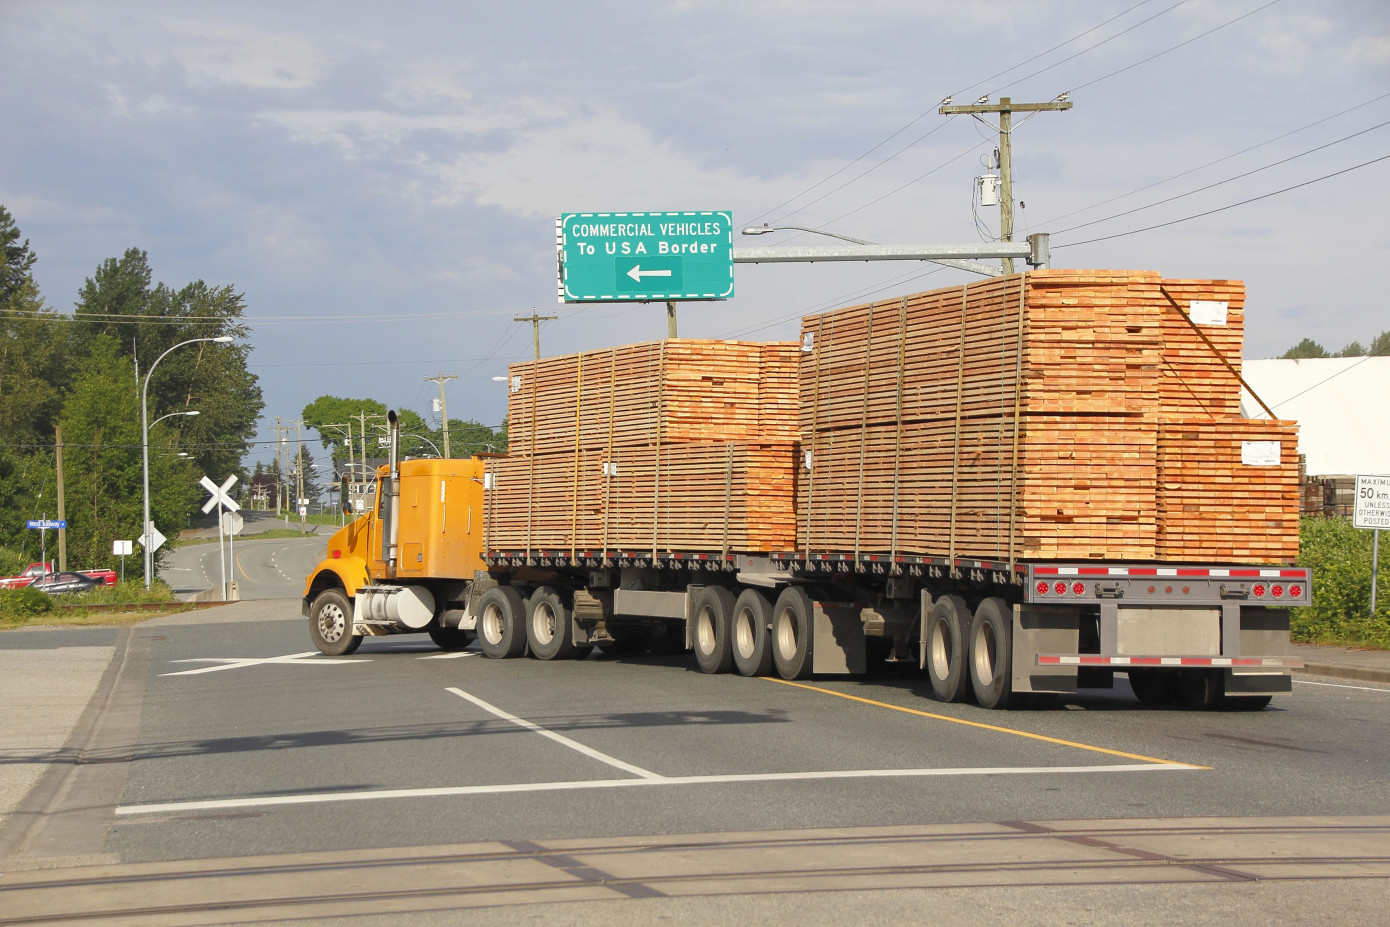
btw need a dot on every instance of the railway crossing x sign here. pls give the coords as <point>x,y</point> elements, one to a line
<point>219,494</point>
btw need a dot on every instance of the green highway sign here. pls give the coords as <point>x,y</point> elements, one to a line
<point>640,256</point>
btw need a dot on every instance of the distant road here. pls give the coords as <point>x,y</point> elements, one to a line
<point>264,568</point>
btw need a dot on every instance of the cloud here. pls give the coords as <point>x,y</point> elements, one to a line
<point>1371,49</point>
<point>218,53</point>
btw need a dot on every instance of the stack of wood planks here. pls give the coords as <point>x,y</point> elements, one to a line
<point>659,447</point>
<point>1022,417</point>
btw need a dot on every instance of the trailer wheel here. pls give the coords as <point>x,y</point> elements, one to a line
<point>792,645</point>
<point>991,653</point>
<point>501,632</point>
<point>714,607</point>
<point>751,634</point>
<point>548,627</point>
<point>948,627</point>
<point>330,624</point>
<point>1207,689</point>
<point>451,638</point>
<point>1155,687</point>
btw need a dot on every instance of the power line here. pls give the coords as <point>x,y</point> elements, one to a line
<point>1209,212</point>
<point>928,112</point>
<point>1218,183</point>
<point>1200,167</point>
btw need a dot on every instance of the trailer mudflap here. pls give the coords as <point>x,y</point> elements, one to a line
<point>1044,629</point>
<point>838,633</point>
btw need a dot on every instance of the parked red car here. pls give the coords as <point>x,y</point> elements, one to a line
<point>35,570</point>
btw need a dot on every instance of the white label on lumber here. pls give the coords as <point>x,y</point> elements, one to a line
<point>808,460</point>
<point>1207,311</point>
<point>808,342</point>
<point>1259,453</point>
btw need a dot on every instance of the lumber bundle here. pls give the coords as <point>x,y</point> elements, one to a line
<point>1020,418</point>
<point>656,391</point>
<point>714,498</point>
<point>661,447</point>
<point>1083,488</point>
<point>1228,489</point>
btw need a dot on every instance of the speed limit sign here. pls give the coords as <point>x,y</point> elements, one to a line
<point>1372,502</point>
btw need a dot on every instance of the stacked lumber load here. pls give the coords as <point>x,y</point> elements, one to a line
<point>1195,378</point>
<point>1020,418</point>
<point>1228,489</point>
<point>661,447</point>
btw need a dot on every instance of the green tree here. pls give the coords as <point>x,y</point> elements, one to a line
<point>1380,347</point>
<point>119,302</point>
<point>467,438</point>
<point>1305,348</point>
<point>1354,349</point>
<point>103,470</point>
<point>16,259</point>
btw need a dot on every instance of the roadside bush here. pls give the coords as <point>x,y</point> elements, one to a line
<point>1340,558</point>
<point>130,592</point>
<point>24,603</point>
<point>12,560</point>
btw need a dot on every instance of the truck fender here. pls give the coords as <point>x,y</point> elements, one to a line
<point>346,573</point>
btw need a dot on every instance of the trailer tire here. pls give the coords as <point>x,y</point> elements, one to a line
<point>714,609</point>
<point>330,624</point>
<point>501,623</point>
<point>792,643</point>
<point>991,653</point>
<point>451,638</point>
<point>751,634</point>
<point>1155,687</point>
<point>1207,689</point>
<point>947,635</point>
<point>548,628</point>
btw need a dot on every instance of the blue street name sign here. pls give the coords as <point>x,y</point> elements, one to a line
<point>644,256</point>
<point>45,523</point>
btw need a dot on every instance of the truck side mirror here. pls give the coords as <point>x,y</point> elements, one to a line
<point>345,497</point>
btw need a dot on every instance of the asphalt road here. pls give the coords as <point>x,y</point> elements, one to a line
<point>232,738</point>
<point>264,568</point>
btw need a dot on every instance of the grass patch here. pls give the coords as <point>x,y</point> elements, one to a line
<point>272,533</point>
<point>1340,558</point>
<point>29,606</point>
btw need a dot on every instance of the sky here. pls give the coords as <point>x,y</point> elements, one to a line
<point>381,181</point>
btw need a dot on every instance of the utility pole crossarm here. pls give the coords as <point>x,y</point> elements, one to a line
<point>1003,106</point>
<point>535,318</point>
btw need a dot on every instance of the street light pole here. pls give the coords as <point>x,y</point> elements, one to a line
<point>147,528</point>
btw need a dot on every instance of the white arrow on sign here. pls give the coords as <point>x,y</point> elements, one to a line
<point>637,273</point>
<point>219,494</point>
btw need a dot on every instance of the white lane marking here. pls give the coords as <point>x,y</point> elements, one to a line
<point>315,798</point>
<point>1333,685</point>
<point>451,656</point>
<point>308,657</point>
<point>558,738</point>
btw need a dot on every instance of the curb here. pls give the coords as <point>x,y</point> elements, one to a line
<point>1341,671</point>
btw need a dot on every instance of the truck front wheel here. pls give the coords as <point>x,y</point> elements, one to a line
<point>330,624</point>
<point>501,631</point>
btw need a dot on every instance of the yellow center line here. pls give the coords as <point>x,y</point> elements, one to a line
<point>987,727</point>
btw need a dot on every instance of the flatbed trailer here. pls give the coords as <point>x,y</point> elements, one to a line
<point>1208,635</point>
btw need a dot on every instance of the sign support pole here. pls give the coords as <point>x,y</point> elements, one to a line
<point>1375,568</point>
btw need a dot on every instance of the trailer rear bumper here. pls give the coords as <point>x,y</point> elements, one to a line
<point>1121,662</point>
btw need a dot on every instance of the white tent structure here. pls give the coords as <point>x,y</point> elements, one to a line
<point>1341,404</point>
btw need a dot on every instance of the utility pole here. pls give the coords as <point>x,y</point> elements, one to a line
<point>299,469</point>
<point>443,403</point>
<point>62,508</point>
<point>536,320</point>
<point>670,319</point>
<point>279,467</point>
<point>1005,108</point>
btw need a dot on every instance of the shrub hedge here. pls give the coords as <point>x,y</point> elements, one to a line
<point>1340,558</point>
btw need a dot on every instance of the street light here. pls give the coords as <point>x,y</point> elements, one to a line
<point>764,229</point>
<point>147,527</point>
